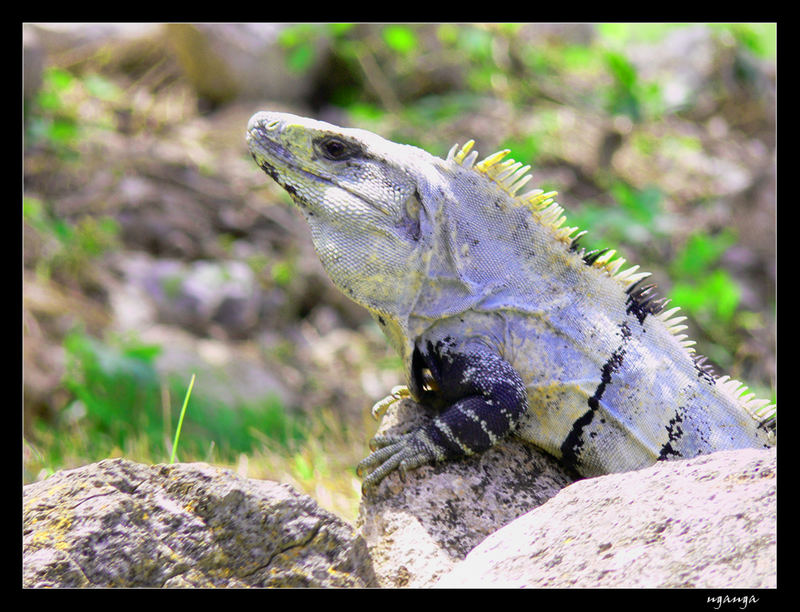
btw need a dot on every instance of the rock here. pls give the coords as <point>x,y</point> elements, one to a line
<point>88,37</point>
<point>241,60</point>
<point>709,522</point>
<point>418,529</point>
<point>706,523</point>
<point>160,299</point>
<point>121,524</point>
<point>199,295</point>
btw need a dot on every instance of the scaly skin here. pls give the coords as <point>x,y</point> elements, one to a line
<point>504,323</point>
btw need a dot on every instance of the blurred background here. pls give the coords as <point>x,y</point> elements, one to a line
<point>155,249</point>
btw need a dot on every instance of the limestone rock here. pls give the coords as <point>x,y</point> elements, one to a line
<point>418,529</point>
<point>709,522</point>
<point>118,523</point>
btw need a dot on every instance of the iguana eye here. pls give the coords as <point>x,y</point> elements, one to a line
<point>336,149</point>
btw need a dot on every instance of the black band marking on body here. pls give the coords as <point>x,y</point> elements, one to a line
<point>573,443</point>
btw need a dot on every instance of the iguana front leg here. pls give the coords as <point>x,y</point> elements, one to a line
<point>481,398</point>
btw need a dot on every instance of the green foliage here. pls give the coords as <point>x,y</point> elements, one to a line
<point>700,252</point>
<point>100,87</point>
<point>578,58</point>
<point>618,35</point>
<point>303,467</point>
<point>622,96</point>
<point>714,296</point>
<point>119,402</point>
<point>58,116</point>
<point>629,95</point>
<point>635,218</point>
<point>642,205</point>
<point>433,109</point>
<point>300,42</point>
<point>56,121</point>
<point>525,148</point>
<point>709,294</point>
<point>759,38</point>
<point>271,424</point>
<point>115,386</point>
<point>282,272</point>
<point>613,82</point>
<point>301,57</point>
<point>400,39</point>
<point>69,246</point>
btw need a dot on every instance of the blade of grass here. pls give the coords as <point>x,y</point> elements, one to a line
<point>180,420</point>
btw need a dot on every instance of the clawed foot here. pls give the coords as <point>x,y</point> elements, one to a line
<point>395,395</point>
<point>402,453</point>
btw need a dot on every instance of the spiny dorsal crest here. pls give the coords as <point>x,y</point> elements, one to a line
<point>511,176</point>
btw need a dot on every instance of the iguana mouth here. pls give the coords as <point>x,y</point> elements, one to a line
<point>286,169</point>
<point>278,163</point>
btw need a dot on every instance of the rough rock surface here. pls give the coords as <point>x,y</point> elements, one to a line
<point>418,528</point>
<point>709,522</point>
<point>118,523</point>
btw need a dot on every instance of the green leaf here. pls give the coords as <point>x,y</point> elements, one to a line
<point>476,44</point>
<point>621,69</point>
<point>400,38</point>
<point>364,112</point>
<point>282,273</point>
<point>294,35</point>
<point>620,34</point>
<point>525,149</point>
<point>714,298</point>
<point>643,205</point>
<point>58,79</point>
<point>726,293</point>
<point>576,57</point>
<point>760,38</point>
<point>140,351</point>
<point>700,252</point>
<point>339,29</point>
<point>63,131</point>
<point>300,58</point>
<point>32,211</point>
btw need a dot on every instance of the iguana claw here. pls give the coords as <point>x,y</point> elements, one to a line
<point>395,395</point>
<point>403,453</point>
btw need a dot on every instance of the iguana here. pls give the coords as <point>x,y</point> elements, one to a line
<point>504,323</point>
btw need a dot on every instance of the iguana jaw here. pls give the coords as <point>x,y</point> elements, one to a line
<point>309,158</point>
<point>355,191</point>
<point>271,148</point>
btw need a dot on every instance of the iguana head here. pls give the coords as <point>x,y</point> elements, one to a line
<point>359,194</point>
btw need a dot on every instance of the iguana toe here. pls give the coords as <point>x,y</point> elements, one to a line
<point>391,453</point>
<point>395,395</point>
